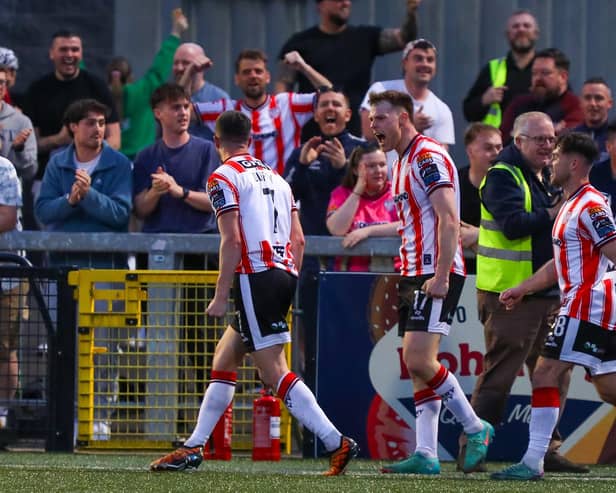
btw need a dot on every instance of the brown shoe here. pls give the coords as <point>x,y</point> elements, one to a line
<point>554,462</point>
<point>340,457</point>
<point>181,459</point>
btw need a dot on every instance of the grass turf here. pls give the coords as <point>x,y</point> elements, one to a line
<point>50,472</point>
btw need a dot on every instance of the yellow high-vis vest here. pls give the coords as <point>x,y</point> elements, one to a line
<point>503,263</point>
<point>498,76</point>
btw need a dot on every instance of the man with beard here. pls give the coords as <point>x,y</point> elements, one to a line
<point>432,117</point>
<point>501,79</point>
<point>276,120</point>
<point>343,53</point>
<point>596,101</point>
<point>584,332</point>
<point>426,194</point>
<point>189,65</point>
<point>549,93</point>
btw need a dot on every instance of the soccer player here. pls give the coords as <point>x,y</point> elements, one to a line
<point>261,249</point>
<point>426,195</point>
<point>583,334</point>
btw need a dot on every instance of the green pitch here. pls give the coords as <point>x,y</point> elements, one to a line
<point>22,472</point>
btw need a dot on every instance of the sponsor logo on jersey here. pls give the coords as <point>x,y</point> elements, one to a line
<point>429,173</point>
<point>604,226</point>
<point>217,195</point>
<point>400,197</point>
<point>427,259</point>
<point>424,159</point>
<point>267,135</point>
<point>596,212</point>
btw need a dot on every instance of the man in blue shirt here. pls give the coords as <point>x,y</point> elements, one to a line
<point>170,175</point>
<point>170,179</point>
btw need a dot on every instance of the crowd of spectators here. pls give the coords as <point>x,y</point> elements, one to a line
<point>312,154</point>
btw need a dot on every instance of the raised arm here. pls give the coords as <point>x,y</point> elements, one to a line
<point>294,60</point>
<point>394,39</point>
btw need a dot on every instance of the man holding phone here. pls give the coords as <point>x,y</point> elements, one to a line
<point>313,171</point>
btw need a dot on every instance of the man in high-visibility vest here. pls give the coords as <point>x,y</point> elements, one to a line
<point>517,212</point>
<point>501,79</point>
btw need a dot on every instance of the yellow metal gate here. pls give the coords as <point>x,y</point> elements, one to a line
<point>145,348</point>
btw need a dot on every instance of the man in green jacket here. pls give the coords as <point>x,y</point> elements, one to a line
<point>132,98</point>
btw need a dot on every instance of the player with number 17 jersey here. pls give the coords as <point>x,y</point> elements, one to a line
<point>264,211</point>
<point>424,167</point>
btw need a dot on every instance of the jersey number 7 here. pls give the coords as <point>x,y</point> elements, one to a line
<point>269,191</point>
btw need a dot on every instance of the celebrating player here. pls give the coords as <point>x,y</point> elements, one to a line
<point>426,195</point>
<point>583,333</point>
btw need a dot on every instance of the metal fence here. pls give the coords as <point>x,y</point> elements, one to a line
<point>140,351</point>
<point>144,350</point>
<point>37,356</point>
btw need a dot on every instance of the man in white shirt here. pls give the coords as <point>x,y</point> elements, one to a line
<point>432,117</point>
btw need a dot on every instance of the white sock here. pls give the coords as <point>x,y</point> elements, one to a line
<point>543,419</point>
<point>218,396</point>
<point>302,404</point>
<point>447,386</point>
<point>427,410</point>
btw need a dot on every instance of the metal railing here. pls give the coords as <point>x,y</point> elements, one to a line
<point>164,249</point>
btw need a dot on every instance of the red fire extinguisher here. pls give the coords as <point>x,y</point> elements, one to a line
<point>218,447</point>
<point>266,427</point>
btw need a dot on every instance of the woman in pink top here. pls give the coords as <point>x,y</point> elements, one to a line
<point>363,206</point>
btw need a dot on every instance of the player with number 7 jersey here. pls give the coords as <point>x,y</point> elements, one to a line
<point>265,202</point>
<point>260,241</point>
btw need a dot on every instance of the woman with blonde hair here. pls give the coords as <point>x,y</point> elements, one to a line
<point>362,206</point>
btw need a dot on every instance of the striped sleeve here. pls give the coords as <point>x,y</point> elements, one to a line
<point>596,219</point>
<point>223,194</point>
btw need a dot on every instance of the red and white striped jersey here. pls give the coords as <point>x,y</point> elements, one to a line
<point>425,167</point>
<point>276,124</point>
<point>265,203</point>
<point>583,225</point>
